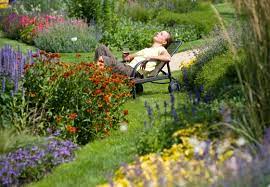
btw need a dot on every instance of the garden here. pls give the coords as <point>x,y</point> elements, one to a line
<point>66,122</point>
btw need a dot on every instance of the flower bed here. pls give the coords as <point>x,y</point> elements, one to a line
<point>79,100</point>
<point>31,163</point>
<point>198,162</point>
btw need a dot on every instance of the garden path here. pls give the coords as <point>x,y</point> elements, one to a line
<point>182,59</point>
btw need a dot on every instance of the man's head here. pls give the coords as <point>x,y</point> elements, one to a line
<point>164,38</point>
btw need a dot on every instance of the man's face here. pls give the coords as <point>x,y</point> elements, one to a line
<point>161,37</point>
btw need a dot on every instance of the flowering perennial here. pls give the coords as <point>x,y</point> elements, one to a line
<point>31,163</point>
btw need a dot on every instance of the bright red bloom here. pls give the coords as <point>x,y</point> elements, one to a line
<point>72,116</point>
<point>71,129</point>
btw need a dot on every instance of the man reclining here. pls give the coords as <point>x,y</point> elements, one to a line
<point>157,52</point>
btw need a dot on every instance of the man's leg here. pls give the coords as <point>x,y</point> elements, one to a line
<point>103,53</point>
<point>102,50</point>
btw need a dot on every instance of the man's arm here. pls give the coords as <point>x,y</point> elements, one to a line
<point>164,56</point>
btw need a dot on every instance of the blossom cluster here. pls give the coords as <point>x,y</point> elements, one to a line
<point>12,65</point>
<point>31,163</point>
<point>27,27</point>
<point>84,101</point>
<point>193,160</point>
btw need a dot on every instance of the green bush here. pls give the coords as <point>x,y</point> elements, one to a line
<point>81,101</point>
<point>137,12</point>
<point>90,10</point>
<point>135,35</point>
<point>204,20</point>
<point>69,36</point>
<point>30,7</point>
<point>219,76</point>
<point>182,6</point>
<point>138,35</point>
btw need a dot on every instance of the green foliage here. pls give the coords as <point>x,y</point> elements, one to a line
<point>26,35</point>
<point>182,6</point>
<point>254,74</point>
<point>219,76</point>
<point>138,35</point>
<point>203,20</point>
<point>11,140</point>
<point>134,35</point>
<point>69,36</point>
<point>90,10</point>
<point>31,7</point>
<point>157,134</point>
<point>81,101</point>
<point>138,12</point>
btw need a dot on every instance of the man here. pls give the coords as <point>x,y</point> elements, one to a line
<point>157,52</point>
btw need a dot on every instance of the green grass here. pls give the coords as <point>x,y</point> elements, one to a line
<point>15,44</point>
<point>227,12</point>
<point>192,45</point>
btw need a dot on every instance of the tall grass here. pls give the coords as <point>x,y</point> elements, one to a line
<point>255,74</point>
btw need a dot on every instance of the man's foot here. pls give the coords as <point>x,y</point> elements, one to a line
<point>100,62</point>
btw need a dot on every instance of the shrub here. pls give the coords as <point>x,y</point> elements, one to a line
<point>219,76</point>
<point>138,35</point>
<point>26,27</point>
<point>34,7</point>
<point>203,20</point>
<point>90,10</point>
<point>134,35</point>
<point>30,163</point>
<point>11,25</point>
<point>69,36</point>
<point>138,12</point>
<point>81,101</point>
<point>182,6</point>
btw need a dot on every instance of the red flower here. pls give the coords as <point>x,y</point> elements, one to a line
<point>71,129</point>
<point>73,116</point>
<point>98,91</point>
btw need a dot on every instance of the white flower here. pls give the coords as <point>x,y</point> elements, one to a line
<point>241,141</point>
<point>123,127</point>
<point>74,39</point>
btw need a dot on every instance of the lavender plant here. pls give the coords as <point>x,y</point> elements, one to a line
<point>12,67</point>
<point>31,163</point>
<point>14,108</point>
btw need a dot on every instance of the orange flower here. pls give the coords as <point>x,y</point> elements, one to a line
<point>89,110</point>
<point>73,116</point>
<point>107,98</point>
<point>71,129</point>
<point>58,119</point>
<point>125,112</point>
